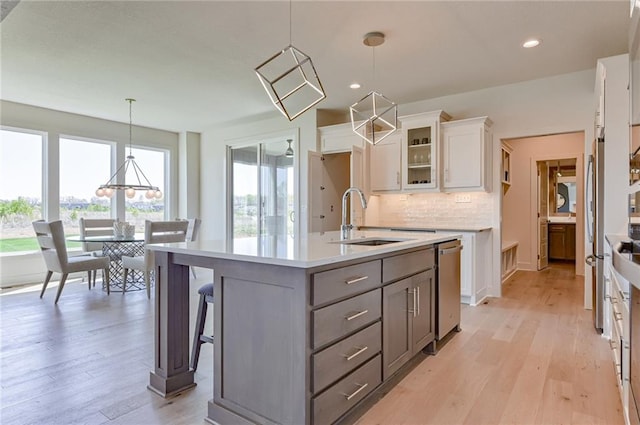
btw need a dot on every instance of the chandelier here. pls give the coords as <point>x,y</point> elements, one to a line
<point>374,117</point>
<point>291,80</point>
<point>138,180</point>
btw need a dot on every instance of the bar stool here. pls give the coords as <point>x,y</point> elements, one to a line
<point>206,296</point>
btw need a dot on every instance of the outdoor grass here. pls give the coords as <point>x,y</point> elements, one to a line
<point>26,244</point>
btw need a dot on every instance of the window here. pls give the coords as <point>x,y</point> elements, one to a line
<point>20,189</point>
<point>84,165</point>
<point>140,208</point>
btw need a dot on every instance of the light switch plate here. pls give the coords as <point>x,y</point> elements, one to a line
<point>463,198</point>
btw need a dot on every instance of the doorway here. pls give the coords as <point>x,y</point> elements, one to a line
<point>533,199</point>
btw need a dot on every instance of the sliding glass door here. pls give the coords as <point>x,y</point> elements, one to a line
<point>262,190</point>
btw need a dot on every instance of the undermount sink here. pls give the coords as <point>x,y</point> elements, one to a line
<point>371,241</point>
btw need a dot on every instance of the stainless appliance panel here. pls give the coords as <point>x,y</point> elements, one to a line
<point>448,288</point>
<point>595,218</point>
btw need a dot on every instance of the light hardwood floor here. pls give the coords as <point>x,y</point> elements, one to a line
<point>531,357</point>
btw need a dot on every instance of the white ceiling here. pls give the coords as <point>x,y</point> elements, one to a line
<point>190,64</point>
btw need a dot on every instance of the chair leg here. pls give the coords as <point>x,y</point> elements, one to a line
<point>62,281</point>
<point>105,280</point>
<point>200,322</point>
<point>89,281</point>
<point>46,282</point>
<point>124,280</point>
<point>147,282</point>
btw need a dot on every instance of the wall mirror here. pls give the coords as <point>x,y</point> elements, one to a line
<point>562,187</point>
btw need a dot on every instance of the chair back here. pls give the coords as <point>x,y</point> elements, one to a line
<point>163,232</point>
<point>193,229</point>
<point>95,227</point>
<point>52,244</point>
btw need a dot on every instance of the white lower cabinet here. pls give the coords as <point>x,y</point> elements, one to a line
<point>475,266</point>
<point>616,325</point>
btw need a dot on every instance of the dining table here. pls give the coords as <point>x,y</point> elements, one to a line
<point>115,247</point>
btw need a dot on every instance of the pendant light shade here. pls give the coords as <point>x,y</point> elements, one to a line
<point>131,174</point>
<point>289,152</point>
<point>374,117</point>
<point>291,80</point>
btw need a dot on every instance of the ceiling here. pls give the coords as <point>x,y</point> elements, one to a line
<point>190,64</point>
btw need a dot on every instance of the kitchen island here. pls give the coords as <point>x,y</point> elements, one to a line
<point>304,329</point>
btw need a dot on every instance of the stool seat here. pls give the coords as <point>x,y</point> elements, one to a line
<point>206,296</point>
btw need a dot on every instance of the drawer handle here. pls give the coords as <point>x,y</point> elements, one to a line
<point>617,315</point>
<point>623,296</point>
<point>613,345</point>
<point>356,280</point>
<point>356,354</point>
<point>355,316</point>
<point>356,392</point>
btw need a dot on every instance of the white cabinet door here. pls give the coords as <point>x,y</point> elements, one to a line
<point>338,138</point>
<point>384,169</point>
<point>466,155</point>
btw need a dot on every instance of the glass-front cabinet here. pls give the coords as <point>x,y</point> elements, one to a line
<point>420,141</point>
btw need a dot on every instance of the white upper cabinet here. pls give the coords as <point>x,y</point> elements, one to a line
<point>338,138</point>
<point>384,164</point>
<point>466,155</point>
<point>420,144</point>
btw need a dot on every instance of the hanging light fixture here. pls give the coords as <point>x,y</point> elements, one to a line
<point>289,152</point>
<point>290,80</point>
<point>129,165</point>
<point>374,117</point>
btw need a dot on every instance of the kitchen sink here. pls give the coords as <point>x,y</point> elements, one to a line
<point>371,241</point>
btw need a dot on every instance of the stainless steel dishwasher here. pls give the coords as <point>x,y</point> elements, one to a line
<point>448,288</point>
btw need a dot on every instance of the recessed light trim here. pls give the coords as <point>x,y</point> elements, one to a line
<point>533,42</point>
<point>354,86</point>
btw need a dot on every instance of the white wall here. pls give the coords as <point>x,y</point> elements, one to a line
<point>17,269</point>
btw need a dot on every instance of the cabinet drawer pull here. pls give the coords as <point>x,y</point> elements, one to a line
<point>356,354</point>
<point>613,345</point>
<point>617,315</point>
<point>356,392</point>
<point>355,316</point>
<point>418,301</point>
<point>623,296</point>
<point>356,280</point>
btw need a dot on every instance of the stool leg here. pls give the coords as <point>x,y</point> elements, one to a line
<point>200,321</point>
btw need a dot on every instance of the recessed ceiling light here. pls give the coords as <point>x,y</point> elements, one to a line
<point>355,86</point>
<point>531,43</point>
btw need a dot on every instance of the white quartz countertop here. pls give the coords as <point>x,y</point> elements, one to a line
<point>438,228</point>
<point>317,249</point>
<point>562,220</point>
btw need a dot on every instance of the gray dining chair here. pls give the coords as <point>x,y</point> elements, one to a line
<point>95,227</point>
<point>154,232</point>
<point>53,246</point>
<point>192,234</point>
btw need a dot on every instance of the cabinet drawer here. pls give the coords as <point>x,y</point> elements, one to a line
<point>339,283</point>
<point>333,403</point>
<point>556,228</point>
<point>403,265</point>
<point>337,320</point>
<point>341,358</point>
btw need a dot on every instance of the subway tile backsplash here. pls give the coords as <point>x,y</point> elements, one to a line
<point>429,209</point>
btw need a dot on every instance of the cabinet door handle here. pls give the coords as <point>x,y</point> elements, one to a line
<point>356,280</point>
<point>356,315</point>
<point>623,296</point>
<point>613,345</point>
<point>356,392</point>
<point>356,354</point>
<point>418,302</point>
<point>617,315</point>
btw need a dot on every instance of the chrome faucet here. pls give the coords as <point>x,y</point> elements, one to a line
<point>344,228</point>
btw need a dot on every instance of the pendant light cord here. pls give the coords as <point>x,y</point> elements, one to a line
<point>130,124</point>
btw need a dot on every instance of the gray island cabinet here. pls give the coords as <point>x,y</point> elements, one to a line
<point>304,330</point>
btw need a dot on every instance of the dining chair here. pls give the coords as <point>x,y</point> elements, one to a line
<point>192,234</point>
<point>95,227</point>
<point>154,232</point>
<point>53,246</point>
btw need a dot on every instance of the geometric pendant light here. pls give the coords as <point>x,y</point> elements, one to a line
<point>131,175</point>
<point>374,117</point>
<point>291,80</point>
